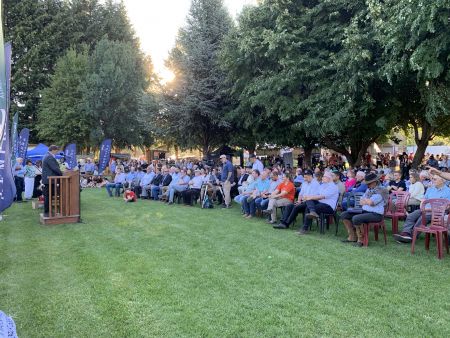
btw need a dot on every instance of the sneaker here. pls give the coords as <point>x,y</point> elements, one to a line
<point>267,211</point>
<point>280,226</point>
<point>403,237</point>
<point>302,232</point>
<point>312,214</point>
<point>270,221</point>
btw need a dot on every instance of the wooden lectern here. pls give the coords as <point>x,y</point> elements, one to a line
<point>64,199</point>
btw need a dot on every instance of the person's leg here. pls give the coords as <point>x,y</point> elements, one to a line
<point>46,200</point>
<point>311,205</point>
<point>411,220</point>
<point>29,184</point>
<point>155,192</point>
<point>278,203</point>
<point>246,207</point>
<point>347,220</point>
<point>361,219</point>
<point>322,208</point>
<point>265,203</point>
<point>118,187</point>
<point>22,187</point>
<point>171,193</point>
<point>258,203</point>
<point>295,210</point>
<point>108,188</point>
<point>252,208</point>
<point>227,193</point>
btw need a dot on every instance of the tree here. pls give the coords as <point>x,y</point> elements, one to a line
<point>195,103</point>
<point>118,75</point>
<point>313,65</point>
<point>415,36</point>
<point>61,117</point>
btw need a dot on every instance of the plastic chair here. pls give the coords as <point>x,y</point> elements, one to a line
<point>375,226</point>
<point>437,208</point>
<point>398,210</point>
<point>326,218</point>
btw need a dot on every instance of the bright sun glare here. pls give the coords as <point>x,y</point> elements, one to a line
<point>157,22</point>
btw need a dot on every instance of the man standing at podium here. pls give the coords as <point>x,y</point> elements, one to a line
<point>50,167</point>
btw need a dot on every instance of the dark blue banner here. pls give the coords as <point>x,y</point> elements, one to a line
<point>14,138</point>
<point>105,154</point>
<point>22,143</point>
<point>70,153</point>
<point>7,186</point>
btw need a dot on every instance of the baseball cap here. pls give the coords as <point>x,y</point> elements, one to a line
<point>308,172</point>
<point>223,156</point>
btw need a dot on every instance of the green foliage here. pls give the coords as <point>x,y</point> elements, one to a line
<point>117,78</point>
<point>41,31</point>
<point>309,66</point>
<point>61,119</point>
<point>195,103</point>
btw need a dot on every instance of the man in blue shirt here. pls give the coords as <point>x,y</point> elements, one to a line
<point>146,182</point>
<point>89,167</point>
<point>372,210</point>
<point>226,177</point>
<point>438,190</point>
<point>256,163</point>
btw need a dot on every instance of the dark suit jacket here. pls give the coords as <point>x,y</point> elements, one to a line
<point>50,167</point>
<point>167,180</point>
<point>157,180</point>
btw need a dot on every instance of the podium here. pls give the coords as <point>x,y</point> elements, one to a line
<point>64,199</point>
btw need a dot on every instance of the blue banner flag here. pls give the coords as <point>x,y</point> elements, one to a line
<point>7,186</point>
<point>105,154</point>
<point>70,153</point>
<point>22,143</point>
<point>14,138</point>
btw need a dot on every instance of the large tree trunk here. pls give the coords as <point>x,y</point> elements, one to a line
<point>422,140</point>
<point>205,151</point>
<point>356,153</point>
<point>308,156</point>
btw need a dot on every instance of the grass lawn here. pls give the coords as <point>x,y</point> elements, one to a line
<point>147,269</point>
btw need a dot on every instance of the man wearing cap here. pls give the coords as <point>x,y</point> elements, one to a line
<point>310,187</point>
<point>50,167</point>
<point>226,178</point>
<point>372,202</point>
<point>256,163</point>
<point>324,202</point>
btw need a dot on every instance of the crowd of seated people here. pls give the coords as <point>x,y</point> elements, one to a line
<point>275,191</point>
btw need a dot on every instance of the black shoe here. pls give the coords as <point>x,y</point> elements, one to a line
<point>358,244</point>
<point>280,226</point>
<point>403,237</point>
<point>348,241</point>
<point>267,211</point>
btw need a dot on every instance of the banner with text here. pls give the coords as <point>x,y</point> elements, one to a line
<point>7,186</point>
<point>70,153</point>
<point>105,154</point>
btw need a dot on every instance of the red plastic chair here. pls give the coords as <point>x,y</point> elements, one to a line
<point>397,211</point>
<point>375,226</point>
<point>437,227</point>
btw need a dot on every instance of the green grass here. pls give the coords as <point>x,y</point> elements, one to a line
<point>147,269</point>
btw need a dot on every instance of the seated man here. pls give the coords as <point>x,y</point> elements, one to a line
<point>262,184</point>
<point>249,188</point>
<point>193,192</point>
<point>262,202</point>
<point>175,174</point>
<point>283,196</point>
<point>310,187</point>
<point>437,190</point>
<point>180,185</point>
<point>119,179</point>
<point>146,182</point>
<point>324,202</point>
<point>372,203</point>
<point>166,178</point>
<point>397,184</point>
<point>154,185</point>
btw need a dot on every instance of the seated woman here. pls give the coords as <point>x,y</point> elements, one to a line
<point>372,203</point>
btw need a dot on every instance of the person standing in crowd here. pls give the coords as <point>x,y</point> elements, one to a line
<point>226,178</point>
<point>50,167</point>
<point>37,192</point>
<point>19,173</point>
<point>256,163</point>
<point>30,174</point>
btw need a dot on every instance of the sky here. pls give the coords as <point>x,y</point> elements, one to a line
<point>157,22</point>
